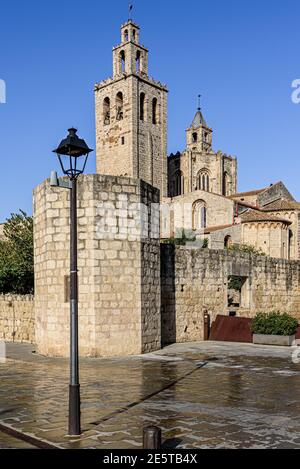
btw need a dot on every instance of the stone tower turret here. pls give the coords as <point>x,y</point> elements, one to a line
<point>131,116</point>
<point>199,134</point>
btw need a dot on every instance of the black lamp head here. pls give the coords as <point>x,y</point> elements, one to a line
<point>72,147</point>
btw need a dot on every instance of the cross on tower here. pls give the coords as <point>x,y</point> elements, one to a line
<point>199,102</point>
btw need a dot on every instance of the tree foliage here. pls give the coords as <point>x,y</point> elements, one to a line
<point>16,255</point>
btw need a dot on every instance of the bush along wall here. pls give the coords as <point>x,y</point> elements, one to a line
<point>274,323</point>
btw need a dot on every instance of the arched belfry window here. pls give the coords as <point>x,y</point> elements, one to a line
<point>122,61</point>
<point>195,137</point>
<point>134,34</point>
<point>154,111</point>
<point>138,61</point>
<point>203,180</point>
<point>199,215</point>
<point>119,106</point>
<point>106,111</point>
<point>178,183</point>
<point>126,37</point>
<point>142,106</point>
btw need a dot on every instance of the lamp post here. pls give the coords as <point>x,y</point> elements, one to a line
<point>72,153</point>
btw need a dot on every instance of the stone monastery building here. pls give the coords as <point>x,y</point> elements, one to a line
<point>136,293</point>
<point>199,185</point>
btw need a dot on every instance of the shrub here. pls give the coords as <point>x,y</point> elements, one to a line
<point>183,237</point>
<point>247,248</point>
<point>274,323</point>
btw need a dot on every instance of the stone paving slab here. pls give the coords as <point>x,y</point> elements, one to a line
<point>202,395</point>
<point>9,442</point>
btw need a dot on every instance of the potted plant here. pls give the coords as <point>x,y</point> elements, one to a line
<point>274,328</point>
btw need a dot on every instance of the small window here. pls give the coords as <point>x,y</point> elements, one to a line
<point>195,137</point>
<point>154,111</point>
<point>138,61</point>
<point>134,34</point>
<point>142,106</point>
<point>122,61</point>
<point>126,35</point>
<point>178,188</point>
<point>119,106</point>
<point>122,140</point>
<point>227,242</point>
<point>203,182</point>
<point>106,111</point>
<point>199,215</point>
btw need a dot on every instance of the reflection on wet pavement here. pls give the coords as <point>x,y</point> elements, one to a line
<point>202,395</point>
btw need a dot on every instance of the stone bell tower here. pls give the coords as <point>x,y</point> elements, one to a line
<point>131,116</point>
<point>199,134</point>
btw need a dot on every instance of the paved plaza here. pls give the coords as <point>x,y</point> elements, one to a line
<point>202,395</point>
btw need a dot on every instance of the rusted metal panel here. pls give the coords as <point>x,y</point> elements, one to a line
<point>298,333</point>
<point>231,329</point>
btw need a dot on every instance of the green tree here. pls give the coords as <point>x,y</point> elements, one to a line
<point>16,255</point>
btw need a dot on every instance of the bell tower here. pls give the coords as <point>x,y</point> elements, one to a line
<point>199,134</point>
<point>131,116</point>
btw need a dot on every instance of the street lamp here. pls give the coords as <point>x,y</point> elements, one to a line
<point>72,153</point>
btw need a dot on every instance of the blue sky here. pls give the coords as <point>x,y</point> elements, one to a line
<point>242,56</point>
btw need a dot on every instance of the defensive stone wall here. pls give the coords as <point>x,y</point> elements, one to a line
<point>119,267</point>
<point>194,280</point>
<point>17,318</point>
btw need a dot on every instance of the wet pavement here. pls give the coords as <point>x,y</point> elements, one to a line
<point>9,442</point>
<point>202,395</point>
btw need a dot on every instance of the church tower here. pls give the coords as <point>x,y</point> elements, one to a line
<point>131,116</point>
<point>199,167</point>
<point>199,135</point>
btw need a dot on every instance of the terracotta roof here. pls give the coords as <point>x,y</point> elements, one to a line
<point>246,204</point>
<point>257,215</point>
<point>211,229</point>
<point>241,194</point>
<point>282,204</point>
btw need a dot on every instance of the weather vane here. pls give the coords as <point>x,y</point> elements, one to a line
<point>130,8</point>
<point>199,102</point>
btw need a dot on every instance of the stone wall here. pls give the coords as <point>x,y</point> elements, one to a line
<point>179,212</point>
<point>119,267</point>
<point>274,192</point>
<point>270,236</point>
<point>17,318</point>
<point>217,238</point>
<point>220,168</point>
<point>194,280</point>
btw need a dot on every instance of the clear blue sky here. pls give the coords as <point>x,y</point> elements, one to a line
<point>242,56</point>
